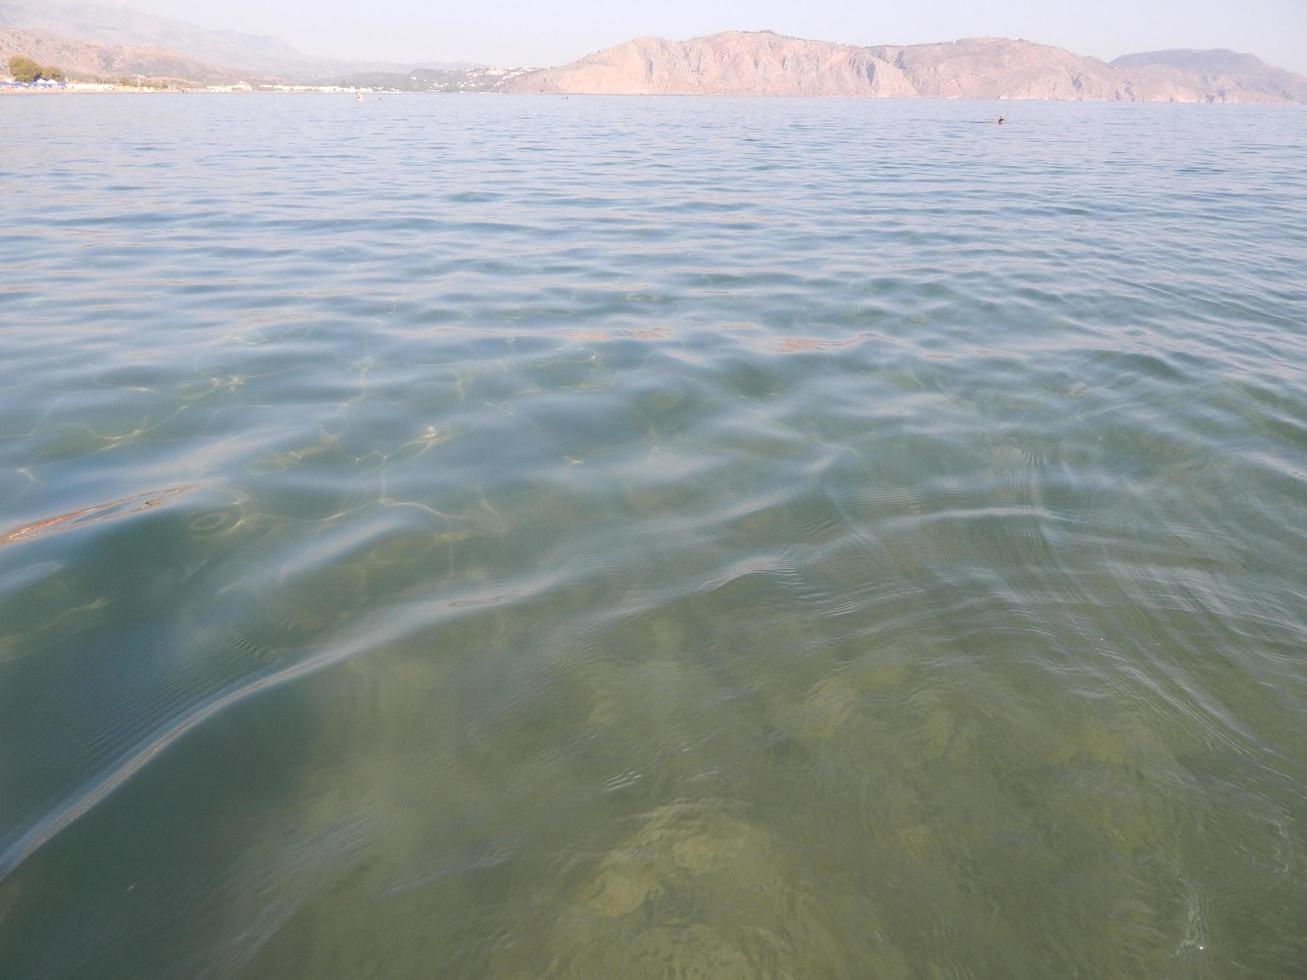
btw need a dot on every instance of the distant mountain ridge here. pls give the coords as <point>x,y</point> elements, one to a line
<point>114,24</point>
<point>93,61</point>
<point>103,37</point>
<point>88,60</point>
<point>1220,67</point>
<point>1211,61</point>
<point>765,63</point>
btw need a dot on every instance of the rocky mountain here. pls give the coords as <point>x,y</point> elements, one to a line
<point>113,39</point>
<point>90,61</point>
<point>1220,68</point>
<point>998,68</point>
<point>764,63</point>
<point>113,24</point>
<point>734,63</point>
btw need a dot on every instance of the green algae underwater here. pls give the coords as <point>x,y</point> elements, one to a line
<point>469,538</point>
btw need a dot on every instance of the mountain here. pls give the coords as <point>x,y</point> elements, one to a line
<point>1223,69</point>
<point>113,25</point>
<point>764,63</point>
<point>113,39</point>
<point>999,68</point>
<point>91,61</point>
<point>1216,61</point>
<point>88,60</point>
<point>734,63</point>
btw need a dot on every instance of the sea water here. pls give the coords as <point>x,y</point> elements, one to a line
<point>539,537</point>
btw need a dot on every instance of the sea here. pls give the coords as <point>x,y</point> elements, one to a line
<point>515,537</point>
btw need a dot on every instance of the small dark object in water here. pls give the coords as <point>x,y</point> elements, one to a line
<point>1001,120</point>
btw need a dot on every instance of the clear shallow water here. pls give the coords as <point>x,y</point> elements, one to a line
<point>700,538</point>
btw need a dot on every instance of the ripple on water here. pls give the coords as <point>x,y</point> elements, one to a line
<point>823,539</point>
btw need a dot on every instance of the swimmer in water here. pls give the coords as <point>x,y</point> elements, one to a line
<point>1001,120</point>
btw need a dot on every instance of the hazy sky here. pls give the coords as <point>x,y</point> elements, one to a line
<point>538,32</point>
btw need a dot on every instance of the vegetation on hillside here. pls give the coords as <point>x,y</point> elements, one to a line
<point>24,69</point>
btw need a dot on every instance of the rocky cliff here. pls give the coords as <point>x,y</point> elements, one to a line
<point>763,63</point>
<point>735,63</point>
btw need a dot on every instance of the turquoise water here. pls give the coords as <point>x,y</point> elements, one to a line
<point>652,538</point>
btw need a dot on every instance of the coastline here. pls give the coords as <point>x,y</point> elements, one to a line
<point>84,89</point>
<point>95,88</point>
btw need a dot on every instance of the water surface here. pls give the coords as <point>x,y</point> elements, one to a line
<point>523,537</point>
